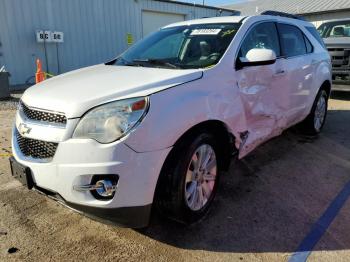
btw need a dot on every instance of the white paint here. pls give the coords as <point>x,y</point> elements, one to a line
<point>260,100</point>
<point>211,20</point>
<point>115,82</point>
<point>259,55</point>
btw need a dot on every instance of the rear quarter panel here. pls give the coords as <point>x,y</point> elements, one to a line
<point>322,68</point>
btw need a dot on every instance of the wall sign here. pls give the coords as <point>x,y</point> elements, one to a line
<point>129,39</point>
<point>43,36</point>
<point>49,37</point>
<point>57,37</point>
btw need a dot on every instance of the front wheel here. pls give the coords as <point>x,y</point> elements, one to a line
<point>189,179</point>
<point>201,177</point>
<point>315,121</point>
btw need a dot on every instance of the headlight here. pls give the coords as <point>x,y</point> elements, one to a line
<point>109,122</point>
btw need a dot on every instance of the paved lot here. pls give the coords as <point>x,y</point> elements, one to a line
<point>266,207</point>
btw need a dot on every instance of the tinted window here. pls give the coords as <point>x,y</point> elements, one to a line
<point>315,34</point>
<point>292,40</point>
<point>309,47</point>
<point>262,36</point>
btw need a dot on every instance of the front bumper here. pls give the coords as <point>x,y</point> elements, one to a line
<point>77,160</point>
<point>134,217</point>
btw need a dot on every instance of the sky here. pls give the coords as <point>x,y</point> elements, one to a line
<point>214,2</point>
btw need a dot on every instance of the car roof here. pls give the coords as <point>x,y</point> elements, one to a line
<point>237,19</point>
<point>211,20</point>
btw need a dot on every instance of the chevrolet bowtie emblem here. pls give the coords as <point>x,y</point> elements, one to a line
<point>23,129</point>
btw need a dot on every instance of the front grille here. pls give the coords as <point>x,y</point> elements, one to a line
<point>36,148</point>
<point>340,65</point>
<point>43,116</point>
<point>340,57</point>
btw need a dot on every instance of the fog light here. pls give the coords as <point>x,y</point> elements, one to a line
<point>105,188</point>
<point>102,187</point>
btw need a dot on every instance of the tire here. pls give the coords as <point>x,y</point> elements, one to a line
<point>173,195</point>
<point>315,121</point>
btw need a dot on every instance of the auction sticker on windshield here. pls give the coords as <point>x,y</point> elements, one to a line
<point>206,31</point>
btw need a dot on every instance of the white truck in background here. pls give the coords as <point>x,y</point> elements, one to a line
<point>336,36</point>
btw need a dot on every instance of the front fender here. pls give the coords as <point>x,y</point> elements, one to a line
<point>174,111</point>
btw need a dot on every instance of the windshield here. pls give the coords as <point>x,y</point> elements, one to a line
<point>335,29</point>
<point>182,47</point>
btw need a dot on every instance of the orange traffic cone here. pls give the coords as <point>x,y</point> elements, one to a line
<point>40,75</point>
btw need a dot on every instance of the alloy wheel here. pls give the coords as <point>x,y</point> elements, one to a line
<point>320,113</point>
<point>200,177</point>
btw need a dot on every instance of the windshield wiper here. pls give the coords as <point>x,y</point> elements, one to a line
<point>122,61</point>
<point>155,62</point>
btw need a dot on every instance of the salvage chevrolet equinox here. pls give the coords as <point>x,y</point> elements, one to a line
<point>157,126</point>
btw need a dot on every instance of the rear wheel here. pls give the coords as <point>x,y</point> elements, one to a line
<point>315,121</point>
<point>189,179</point>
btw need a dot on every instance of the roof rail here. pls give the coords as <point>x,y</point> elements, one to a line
<point>276,13</point>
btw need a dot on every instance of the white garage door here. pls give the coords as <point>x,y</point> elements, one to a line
<point>152,21</point>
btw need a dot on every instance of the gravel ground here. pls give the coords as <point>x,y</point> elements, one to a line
<point>10,103</point>
<point>266,206</point>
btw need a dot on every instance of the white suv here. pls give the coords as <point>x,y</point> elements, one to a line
<point>159,124</point>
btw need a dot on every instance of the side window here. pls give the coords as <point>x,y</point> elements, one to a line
<point>316,34</point>
<point>309,47</point>
<point>292,40</point>
<point>262,36</point>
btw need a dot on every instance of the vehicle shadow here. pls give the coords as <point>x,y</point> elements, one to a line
<point>269,201</point>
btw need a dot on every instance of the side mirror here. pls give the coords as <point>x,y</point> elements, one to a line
<point>257,57</point>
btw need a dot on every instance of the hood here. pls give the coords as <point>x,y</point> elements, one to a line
<point>76,92</point>
<point>337,41</point>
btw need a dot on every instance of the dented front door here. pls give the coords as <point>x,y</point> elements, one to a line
<point>264,90</point>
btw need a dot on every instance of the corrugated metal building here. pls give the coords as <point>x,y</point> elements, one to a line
<point>94,31</point>
<point>316,11</point>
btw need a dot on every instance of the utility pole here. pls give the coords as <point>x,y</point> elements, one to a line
<point>203,2</point>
